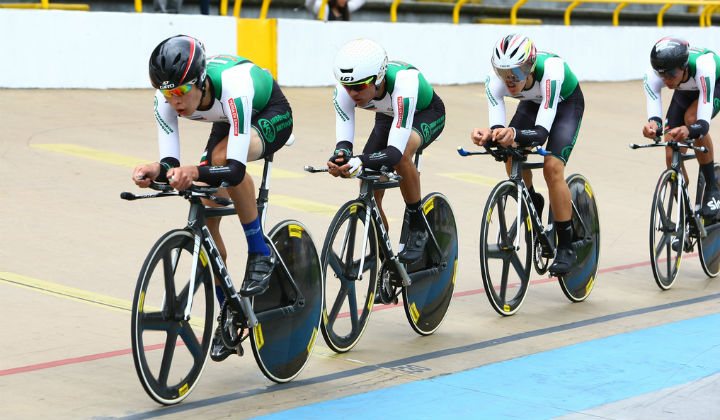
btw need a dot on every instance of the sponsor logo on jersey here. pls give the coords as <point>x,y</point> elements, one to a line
<point>237,116</point>
<point>704,82</point>
<point>402,107</point>
<point>550,89</point>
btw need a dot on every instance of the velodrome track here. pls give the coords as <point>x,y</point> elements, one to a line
<point>71,251</point>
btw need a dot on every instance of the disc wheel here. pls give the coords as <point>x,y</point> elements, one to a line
<point>578,283</point>
<point>283,340</point>
<point>427,298</point>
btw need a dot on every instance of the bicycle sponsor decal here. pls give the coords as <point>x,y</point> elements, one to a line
<point>414,312</point>
<point>259,340</point>
<point>429,205</point>
<point>295,231</point>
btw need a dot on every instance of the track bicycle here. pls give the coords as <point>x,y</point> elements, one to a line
<point>174,302</point>
<point>360,267</point>
<point>674,220</point>
<point>513,238</point>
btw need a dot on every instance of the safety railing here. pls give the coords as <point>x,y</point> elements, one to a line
<point>237,5</point>
<point>704,17</point>
<point>45,4</point>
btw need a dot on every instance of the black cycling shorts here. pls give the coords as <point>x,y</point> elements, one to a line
<point>273,123</point>
<point>681,101</point>
<point>428,123</point>
<point>565,127</point>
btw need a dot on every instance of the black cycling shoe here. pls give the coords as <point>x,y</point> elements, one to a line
<point>711,206</point>
<point>218,351</point>
<point>563,262</point>
<point>257,274</point>
<point>414,247</point>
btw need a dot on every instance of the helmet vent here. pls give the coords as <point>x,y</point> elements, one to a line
<point>346,70</point>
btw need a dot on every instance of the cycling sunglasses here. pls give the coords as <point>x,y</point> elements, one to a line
<point>668,74</point>
<point>178,91</point>
<point>361,85</point>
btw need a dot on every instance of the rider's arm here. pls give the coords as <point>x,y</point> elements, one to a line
<point>404,100</point>
<point>495,91</point>
<point>236,98</point>
<point>344,120</point>
<point>705,76</point>
<point>653,86</point>
<point>168,137</point>
<point>550,86</point>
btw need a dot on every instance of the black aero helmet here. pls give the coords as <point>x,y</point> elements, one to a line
<point>177,61</point>
<point>669,54</point>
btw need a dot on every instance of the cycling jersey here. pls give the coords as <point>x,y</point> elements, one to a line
<point>407,94</point>
<point>553,83</point>
<point>241,89</point>
<point>704,74</point>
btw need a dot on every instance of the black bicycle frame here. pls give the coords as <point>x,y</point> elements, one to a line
<point>196,223</point>
<point>683,193</point>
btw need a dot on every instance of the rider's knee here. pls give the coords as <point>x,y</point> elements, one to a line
<point>554,171</point>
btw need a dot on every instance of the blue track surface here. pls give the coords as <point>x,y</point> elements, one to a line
<point>545,385</point>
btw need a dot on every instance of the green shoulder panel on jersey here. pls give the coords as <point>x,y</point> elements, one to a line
<point>695,53</point>
<point>262,80</point>
<point>570,81</point>
<point>425,91</point>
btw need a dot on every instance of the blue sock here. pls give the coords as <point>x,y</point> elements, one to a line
<point>254,236</point>
<point>220,294</point>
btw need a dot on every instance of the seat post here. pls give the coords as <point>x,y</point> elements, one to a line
<point>262,199</point>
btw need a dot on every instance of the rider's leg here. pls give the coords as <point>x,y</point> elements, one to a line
<point>410,189</point>
<point>561,203</point>
<point>711,195</point>
<point>379,194</point>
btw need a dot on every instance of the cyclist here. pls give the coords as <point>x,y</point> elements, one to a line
<point>551,107</point>
<point>694,75</point>
<point>251,119</point>
<point>409,115</point>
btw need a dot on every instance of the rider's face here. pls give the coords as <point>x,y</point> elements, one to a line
<point>515,87</point>
<point>672,78</point>
<point>186,104</point>
<point>364,96</point>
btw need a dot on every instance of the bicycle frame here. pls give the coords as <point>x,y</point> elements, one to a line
<point>196,223</point>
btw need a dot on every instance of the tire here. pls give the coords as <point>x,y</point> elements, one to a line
<point>347,302</point>
<point>667,224</point>
<point>579,282</point>
<point>505,270</point>
<point>282,345</point>
<point>170,353</point>
<point>709,246</point>
<point>427,299</point>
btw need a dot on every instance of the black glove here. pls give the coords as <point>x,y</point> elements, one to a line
<point>343,154</point>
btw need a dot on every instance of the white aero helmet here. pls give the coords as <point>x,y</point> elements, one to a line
<point>359,61</point>
<point>514,57</point>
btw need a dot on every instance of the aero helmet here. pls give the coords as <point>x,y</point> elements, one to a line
<point>514,57</point>
<point>360,60</point>
<point>177,61</point>
<point>669,54</point>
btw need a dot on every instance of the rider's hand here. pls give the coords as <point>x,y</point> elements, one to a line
<point>352,169</point>
<point>678,134</point>
<point>504,136</point>
<point>650,129</point>
<point>144,174</point>
<point>181,178</point>
<point>336,160</point>
<point>480,136</point>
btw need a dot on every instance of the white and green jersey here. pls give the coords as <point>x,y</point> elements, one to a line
<point>704,69</point>
<point>406,92</point>
<point>240,87</point>
<point>553,83</point>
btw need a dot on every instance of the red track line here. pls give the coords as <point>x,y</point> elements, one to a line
<point>116,353</point>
